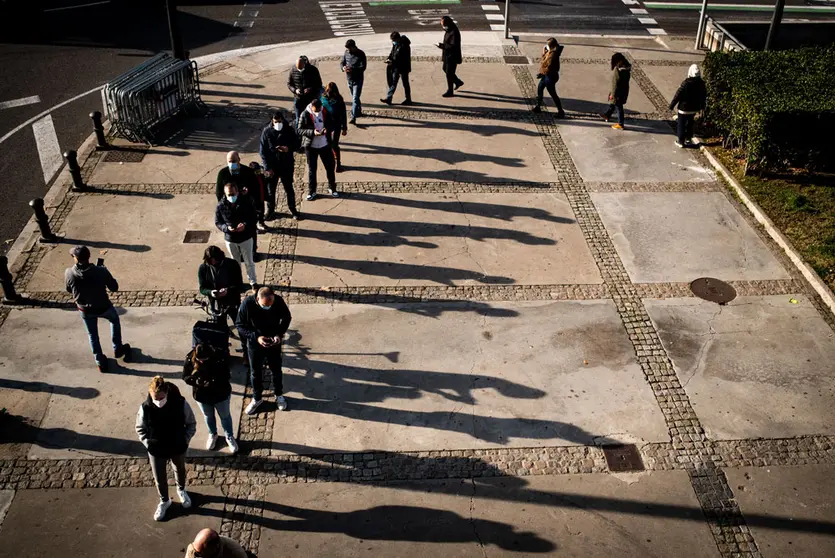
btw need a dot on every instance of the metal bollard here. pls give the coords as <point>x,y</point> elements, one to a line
<point>43,221</point>
<point>10,296</point>
<point>101,141</point>
<point>75,170</point>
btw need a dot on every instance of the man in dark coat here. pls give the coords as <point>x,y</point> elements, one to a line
<point>278,143</point>
<point>249,188</point>
<point>451,55</point>
<point>398,66</point>
<point>305,83</point>
<point>235,218</point>
<point>691,98</point>
<point>353,63</point>
<point>316,126</point>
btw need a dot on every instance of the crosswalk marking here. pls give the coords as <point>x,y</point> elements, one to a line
<point>49,150</point>
<point>22,102</point>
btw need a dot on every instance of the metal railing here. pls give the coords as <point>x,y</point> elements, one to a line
<point>717,38</point>
<point>144,96</point>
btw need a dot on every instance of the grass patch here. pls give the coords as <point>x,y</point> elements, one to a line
<point>801,204</point>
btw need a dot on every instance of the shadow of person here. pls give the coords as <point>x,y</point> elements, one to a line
<point>69,391</point>
<point>105,245</point>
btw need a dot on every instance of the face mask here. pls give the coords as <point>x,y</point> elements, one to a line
<point>161,402</point>
<point>394,43</point>
<point>446,28</point>
<point>277,126</point>
<point>265,306</point>
<point>234,166</point>
<point>232,199</point>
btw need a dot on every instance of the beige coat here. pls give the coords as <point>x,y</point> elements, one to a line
<point>228,549</point>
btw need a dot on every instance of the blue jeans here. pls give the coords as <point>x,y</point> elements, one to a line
<point>395,76</point>
<point>612,108</point>
<point>355,87</point>
<point>91,322</point>
<point>546,83</point>
<point>222,409</point>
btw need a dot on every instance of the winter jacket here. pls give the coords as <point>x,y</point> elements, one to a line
<point>303,79</point>
<point>88,285</point>
<point>166,431</point>
<point>339,111</point>
<point>245,178</point>
<point>253,321</point>
<point>224,275</point>
<point>550,64</point>
<point>357,62</point>
<point>228,215</point>
<point>271,158</point>
<point>452,45</point>
<point>400,57</point>
<point>210,380</point>
<point>228,549</point>
<point>306,128</point>
<point>691,96</point>
<point>619,89</point>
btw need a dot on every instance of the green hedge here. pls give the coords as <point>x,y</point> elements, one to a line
<point>778,105</point>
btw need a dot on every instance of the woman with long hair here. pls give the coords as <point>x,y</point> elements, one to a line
<point>335,104</point>
<point>619,89</point>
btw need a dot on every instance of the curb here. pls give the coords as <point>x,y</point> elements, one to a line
<point>805,269</point>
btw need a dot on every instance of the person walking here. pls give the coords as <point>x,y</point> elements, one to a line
<point>88,284</point>
<point>209,544</point>
<point>549,75</point>
<point>206,370</point>
<point>305,83</point>
<point>235,218</point>
<point>398,66</point>
<point>451,55</point>
<point>353,63</point>
<point>279,141</point>
<point>316,126</point>
<point>165,425</point>
<point>619,89</point>
<point>262,321</point>
<point>691,98</point>
<point>333,102</point>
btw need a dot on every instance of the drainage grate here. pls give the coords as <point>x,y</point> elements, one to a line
<point>516,60</point>
<point>624,458</point>
<point>125,155</point>
<point>197,237</point>
<point>713,290</point>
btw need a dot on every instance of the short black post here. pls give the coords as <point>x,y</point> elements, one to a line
<point>43,220</point>
<point>10,296</point>
<point>75,170</point>
<point>101,141</point>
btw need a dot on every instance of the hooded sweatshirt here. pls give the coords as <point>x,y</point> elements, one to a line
<point>309,122</point>
<point>691,96</point>
<point>88,285</point>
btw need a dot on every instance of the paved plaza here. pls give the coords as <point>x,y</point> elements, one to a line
<point>498,304</point>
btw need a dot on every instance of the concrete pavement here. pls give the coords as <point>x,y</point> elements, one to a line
<point>498,297</point>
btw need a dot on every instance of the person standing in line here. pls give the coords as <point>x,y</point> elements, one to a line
<point>398,66</point>
<point>619,90</point>
<point>305,83</point>
<point>353,63</point>
<point>209,544</point>
<point>451,55</point>
<point>206,370</point>
<point>691,98</point>
<point>88,284</point>
<point>279,142</point>
<point>549,75</point>
<point>165,425</point>
<point>316,125</point>
<point>249,188</point>
<point>333,102</point>
<point>236,218</point>
<point>219,279</point>
<point>263,320</point>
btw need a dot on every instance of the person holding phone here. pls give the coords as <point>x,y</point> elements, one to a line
<point>451,48</point>
<point>236,218</point>
<point>263,319</point>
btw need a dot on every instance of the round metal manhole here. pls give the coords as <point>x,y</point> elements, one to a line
<point>713,290</point>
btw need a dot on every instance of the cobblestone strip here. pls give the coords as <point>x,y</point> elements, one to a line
<point>662,105</point>
<point>653,187</point>
<point>152,190</point>
<point>447,187</point>
<point>743,288</point>
<point>244,504</point>
<point>466,59</point>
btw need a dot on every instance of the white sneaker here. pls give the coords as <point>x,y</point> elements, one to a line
<point>211,441</point>
<point>233,445</point>
<point>281,403</point>
<point>678,144</point>
<point>253,405</point>
<point>159,515</point>
<point>185,499</point>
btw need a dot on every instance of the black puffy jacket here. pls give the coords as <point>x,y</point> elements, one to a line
<point>691,95</point>
<point>309,77</point>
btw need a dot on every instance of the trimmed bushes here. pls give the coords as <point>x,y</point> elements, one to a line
<point>777,105</point>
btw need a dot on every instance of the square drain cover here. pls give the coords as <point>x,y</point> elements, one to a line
<point>516,60</point>
<point>197,237</point>
<point>625,458</point>
<point>125,155</point>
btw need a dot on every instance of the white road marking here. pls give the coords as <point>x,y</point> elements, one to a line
<point>631,2</point>
<point>34,99</point>
<point>44,113</point>
<point>497,27</point>
<point>489,7</point>
<point>76,6</point>
<point>346,18</point>
<point>494,17</point>
<point>48,149</point>
<point>638,11</point>
<point>647,21</point>
<point>656,31</point>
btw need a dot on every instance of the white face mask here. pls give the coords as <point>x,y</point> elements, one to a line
<point>160,402</point>
<point>277,126</point>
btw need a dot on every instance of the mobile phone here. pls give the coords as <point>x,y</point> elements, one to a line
<point>100,262</point>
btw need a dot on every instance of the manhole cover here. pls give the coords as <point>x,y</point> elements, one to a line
<point>516,60</point>
<point>625,458</point>
<point>196,237</point>
<point>713,290</point>
<point>126,155</point>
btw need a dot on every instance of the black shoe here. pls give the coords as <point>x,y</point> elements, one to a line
<point>340,168</point>
<point>537,108</point>
<point>123,351</point>
<point>296,216</point>
<point>386,101</point>
<point>459,85</point>
<point>604,116</point>
<point>353,121</point>
<point>270,216</point>
<point>407,103</point>
<point>447,94</point>
<point>102,365</point>
<point>256,257</point>
<point>561,114</point>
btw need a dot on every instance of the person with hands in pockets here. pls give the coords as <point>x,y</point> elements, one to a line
<point>278,143</point>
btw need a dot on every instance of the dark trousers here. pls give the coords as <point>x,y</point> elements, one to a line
<point>684,127</point>
<point>313,156</point>
<point>546,83</point>
<point>451,78</point>
<point>333,138</point>
<point>612,108</point>
<point>258,355</point>
<point>393,77</point>
<point>286,177</point>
